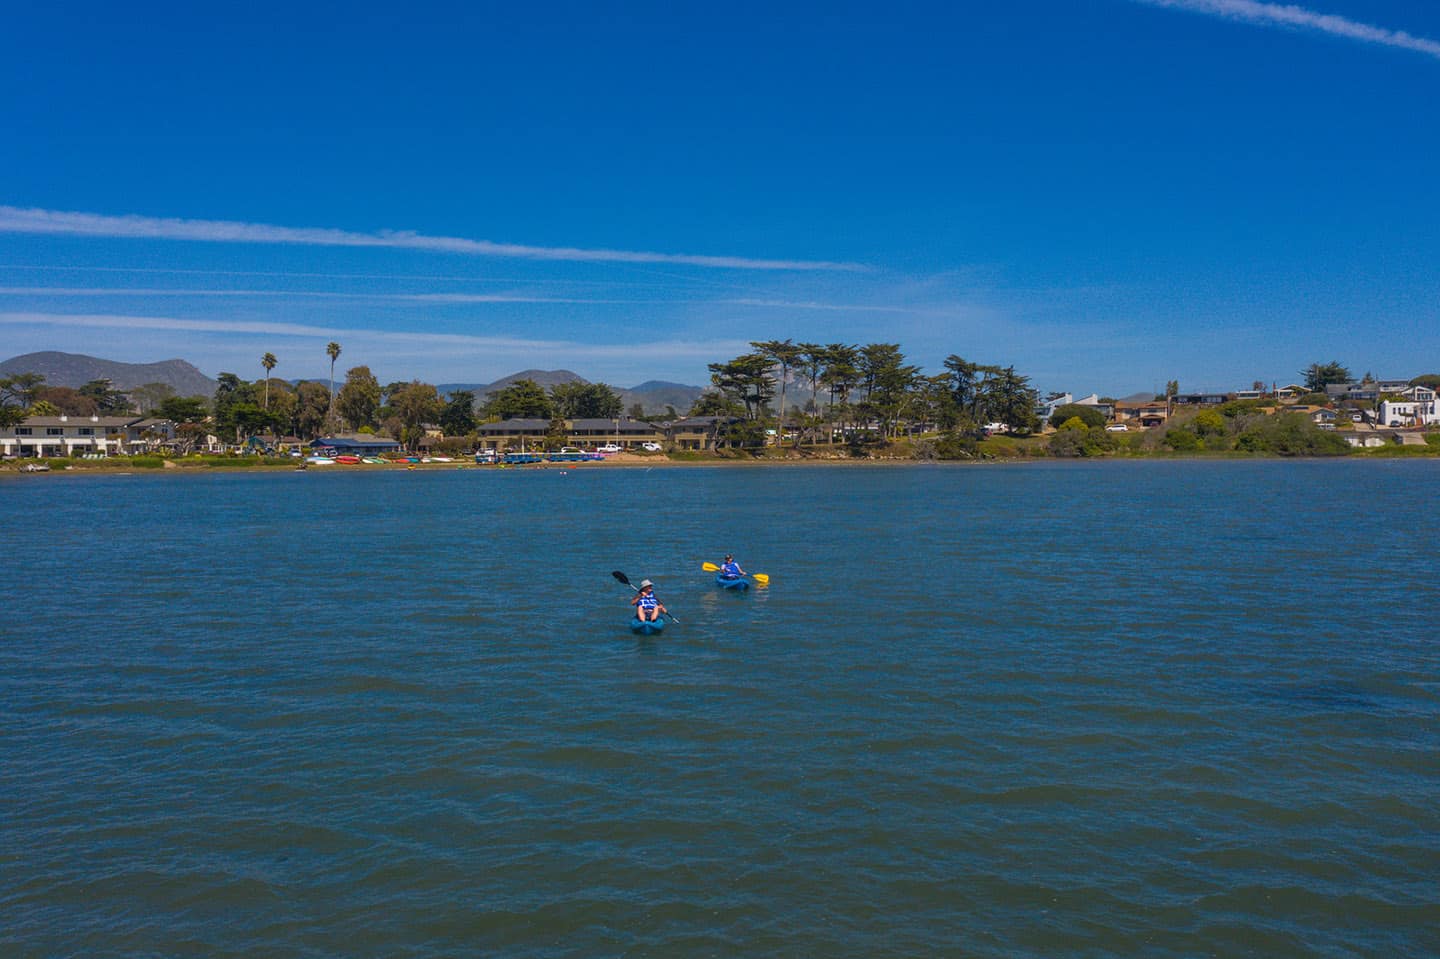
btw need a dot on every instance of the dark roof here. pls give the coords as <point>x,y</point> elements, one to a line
<point>517,425</point>
<point>703,422</point>
<point>624,424</point>
<point>354,442</point>
<point>79,420</point>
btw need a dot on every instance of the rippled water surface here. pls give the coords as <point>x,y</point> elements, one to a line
<point>1158,709</point>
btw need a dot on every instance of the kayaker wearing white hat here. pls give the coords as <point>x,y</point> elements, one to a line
<point>647,606</point>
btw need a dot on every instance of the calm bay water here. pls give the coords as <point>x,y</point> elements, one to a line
<point>1159,709</point>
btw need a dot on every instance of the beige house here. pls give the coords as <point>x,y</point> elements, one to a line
<point>698,432</point>
<point>1148,414</point>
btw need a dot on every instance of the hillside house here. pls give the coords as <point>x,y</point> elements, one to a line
<point>1418,408</point>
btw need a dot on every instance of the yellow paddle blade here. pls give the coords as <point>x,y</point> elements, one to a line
<point>761,579</point>
<point>710,567</point>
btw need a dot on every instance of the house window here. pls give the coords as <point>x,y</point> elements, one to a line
<point>54,431</point>
<point>86,431</point>
<point>23,431</point>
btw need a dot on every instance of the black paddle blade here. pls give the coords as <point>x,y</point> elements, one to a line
<point>620,576</point>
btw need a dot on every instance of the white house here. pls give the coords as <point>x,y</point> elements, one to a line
<point>1419,408</point>
<point>65,435</point>
<point>80,435</point>
<point>1045,408</point>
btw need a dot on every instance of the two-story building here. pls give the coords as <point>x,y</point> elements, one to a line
<point>620,431</point>
<point>1147,414</point>
<point>1365,390</point>
<point>1418,408</point>
<point>698,432</point>
<point>588,432</point>
<point>70,436</point>
<point>517,433</point>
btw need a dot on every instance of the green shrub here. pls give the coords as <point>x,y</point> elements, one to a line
<point>1081,441</point>
<point>1209,423</point>
<point>1236,408</point>
<point>956,446</point>
<point>1182,440</point>
<point>1088,415</point>
<point>1068,443</point>
<point>1290,434</point>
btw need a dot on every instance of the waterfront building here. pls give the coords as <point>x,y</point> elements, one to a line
<point>83,435</point>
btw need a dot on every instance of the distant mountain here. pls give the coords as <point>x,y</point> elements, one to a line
<point>544,378</point>
<point>76,369</point>
<point>653,395</point>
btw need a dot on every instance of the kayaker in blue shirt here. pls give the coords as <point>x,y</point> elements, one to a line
<point>647,606</point>
<point>731,569</point>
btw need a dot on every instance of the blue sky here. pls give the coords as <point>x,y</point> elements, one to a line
<point>1107,194</point>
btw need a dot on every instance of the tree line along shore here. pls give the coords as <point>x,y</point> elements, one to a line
<point>781,401</point>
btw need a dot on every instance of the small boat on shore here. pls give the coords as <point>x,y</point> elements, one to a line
<point>347,460</point>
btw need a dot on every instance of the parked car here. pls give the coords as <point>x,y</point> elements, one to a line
<point>1117,428</point>
<point>608,448</point>
<point>571,449</point>
<point>651,447</point>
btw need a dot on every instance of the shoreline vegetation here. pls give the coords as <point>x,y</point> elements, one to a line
<point>991,451</point>
<point>782,403</point>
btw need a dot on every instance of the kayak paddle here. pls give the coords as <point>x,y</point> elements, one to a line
<point>761,579</point>
<point>626,580</point>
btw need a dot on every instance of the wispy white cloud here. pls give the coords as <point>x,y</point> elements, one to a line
<point>811,305</point>
<point>395,342</point>
<point>67,223</point>
<point>1295,17</point>
<point>456,298</point>
<point>107,291</point>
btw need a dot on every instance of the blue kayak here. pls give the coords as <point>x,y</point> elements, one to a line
<point>646,627</point>
<point>740,583</point>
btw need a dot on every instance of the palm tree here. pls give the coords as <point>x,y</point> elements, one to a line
<point>332,350</point>
<point>268,361</point>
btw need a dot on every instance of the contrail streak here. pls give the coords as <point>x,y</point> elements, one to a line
<point>1289,15</point>
<point>65,223</point>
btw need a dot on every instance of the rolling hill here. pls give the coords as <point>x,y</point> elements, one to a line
<point>76,369</point>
